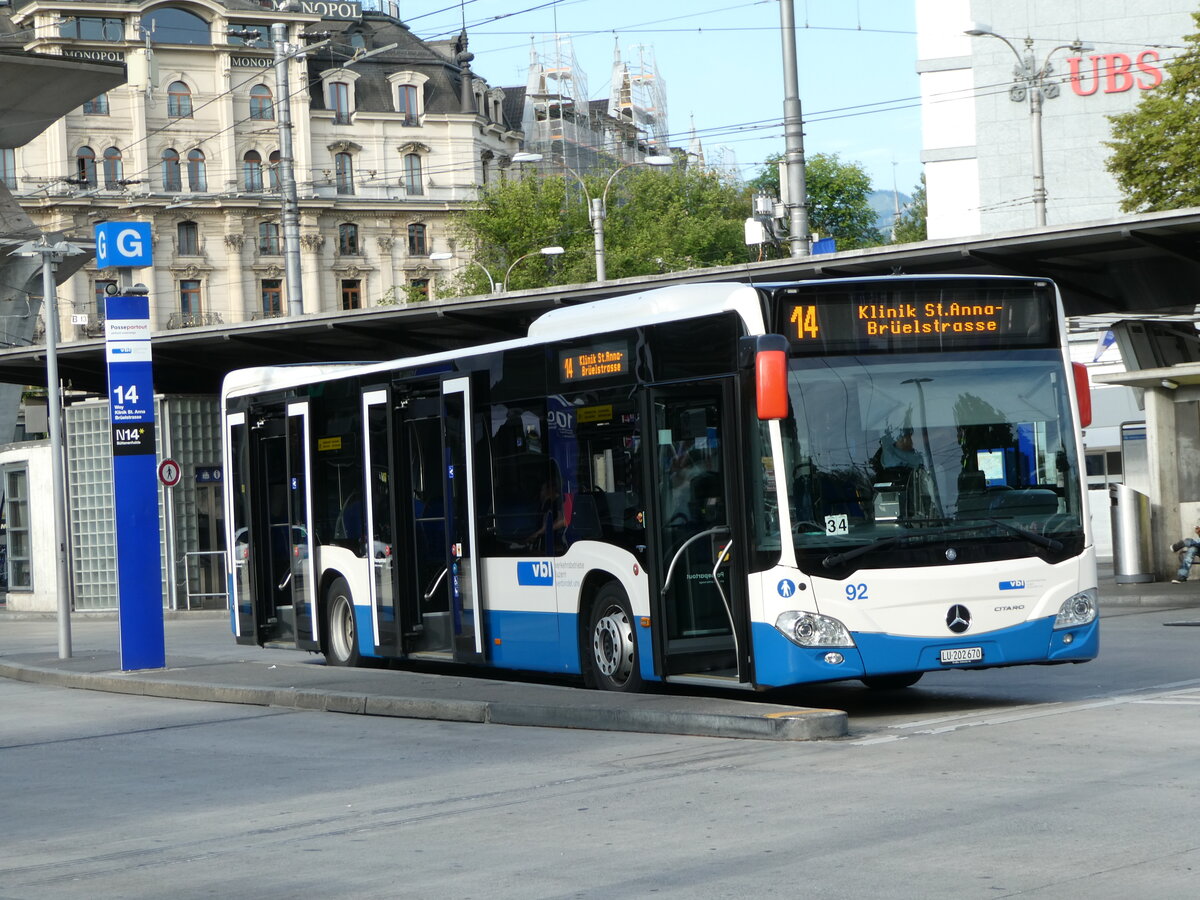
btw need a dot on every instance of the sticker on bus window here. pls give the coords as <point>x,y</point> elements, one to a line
<point>839,524</point>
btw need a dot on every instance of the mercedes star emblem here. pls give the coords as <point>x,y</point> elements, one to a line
<point>958,619</point>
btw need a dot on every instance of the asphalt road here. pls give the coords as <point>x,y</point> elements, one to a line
<point>1075,781</point>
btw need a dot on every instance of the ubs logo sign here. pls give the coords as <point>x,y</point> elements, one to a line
<point>1114,73</point>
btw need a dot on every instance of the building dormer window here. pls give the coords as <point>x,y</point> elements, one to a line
<point>408,89</point>
<point>339,100</point>
<point>337,88</point>
<point>406,103</point>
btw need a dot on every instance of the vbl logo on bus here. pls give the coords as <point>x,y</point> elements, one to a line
<point>535,574</point>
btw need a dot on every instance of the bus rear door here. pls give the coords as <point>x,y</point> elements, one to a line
<point>698,583</point>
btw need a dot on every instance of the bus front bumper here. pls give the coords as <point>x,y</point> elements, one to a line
<point>779,662</point>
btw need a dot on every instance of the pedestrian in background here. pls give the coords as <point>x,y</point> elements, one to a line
<point>1189,547</point>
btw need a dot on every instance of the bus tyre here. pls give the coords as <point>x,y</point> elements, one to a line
<point>892,682</point>
<point>611,655</point>
<point>341,633</point>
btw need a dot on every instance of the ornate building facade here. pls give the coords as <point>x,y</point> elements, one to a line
<point>390,134</point>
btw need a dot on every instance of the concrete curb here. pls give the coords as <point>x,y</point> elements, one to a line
<point>774,723</point>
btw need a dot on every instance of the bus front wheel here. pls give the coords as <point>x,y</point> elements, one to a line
<point>341,634</point>
<point>611,661</point>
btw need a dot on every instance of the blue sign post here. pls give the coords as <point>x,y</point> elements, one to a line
<point>135,468</point>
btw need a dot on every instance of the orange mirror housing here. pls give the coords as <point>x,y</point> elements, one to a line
<point>1083,394</point>
<point>770,376</point>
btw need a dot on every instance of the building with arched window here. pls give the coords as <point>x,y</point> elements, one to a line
<point>390,145</point>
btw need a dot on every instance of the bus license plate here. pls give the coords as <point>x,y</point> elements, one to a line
<point>962,655</point>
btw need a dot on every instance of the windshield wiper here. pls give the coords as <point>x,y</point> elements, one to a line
<point>836,559</point>
<point>1032,536</point>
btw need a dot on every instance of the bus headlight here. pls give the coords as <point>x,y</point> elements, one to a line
<point>1078,610</point>
<point>807,629</point>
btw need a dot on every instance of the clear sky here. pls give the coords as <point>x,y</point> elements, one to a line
<point>722,64</point>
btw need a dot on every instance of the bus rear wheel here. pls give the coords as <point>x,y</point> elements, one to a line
<point>892,682</point>
<point>341,632</point>
<point>611,655</point>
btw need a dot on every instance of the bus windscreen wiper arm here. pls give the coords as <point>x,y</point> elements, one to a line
<point>837,559</point>
<point>1032,536</point>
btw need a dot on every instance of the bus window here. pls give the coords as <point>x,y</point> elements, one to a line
<point>520,473</point>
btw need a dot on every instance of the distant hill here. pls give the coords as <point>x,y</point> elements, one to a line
<point>884,204</point>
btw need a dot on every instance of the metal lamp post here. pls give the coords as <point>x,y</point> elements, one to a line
<point>491,280</point>
<point>598,206</point>
<point>52,255</point>
<point>1031,79</point>
<point>544,251</point>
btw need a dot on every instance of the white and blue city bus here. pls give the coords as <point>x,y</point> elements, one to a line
<point>722,484</point>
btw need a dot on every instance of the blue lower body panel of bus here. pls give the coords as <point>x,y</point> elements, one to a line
<point>779,662</point>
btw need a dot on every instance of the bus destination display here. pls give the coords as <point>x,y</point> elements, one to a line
<point>941,319</point>
<point>584,363</point>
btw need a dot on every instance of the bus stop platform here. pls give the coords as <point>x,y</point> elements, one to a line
<point>204,663</point>
<point>296,680</point>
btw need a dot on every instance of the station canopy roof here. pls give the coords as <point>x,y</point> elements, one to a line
<point>1134,267</point>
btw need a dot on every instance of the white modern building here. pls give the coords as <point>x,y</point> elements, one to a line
<point>1092,58</point>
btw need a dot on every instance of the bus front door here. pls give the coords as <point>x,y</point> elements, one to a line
<point>439,607</point>
<point>272,541</point>
<point>698,597</point>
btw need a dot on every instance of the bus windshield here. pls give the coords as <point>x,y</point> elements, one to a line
<point>890,454</point>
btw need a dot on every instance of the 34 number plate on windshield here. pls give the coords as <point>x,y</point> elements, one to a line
<point>960,655</point>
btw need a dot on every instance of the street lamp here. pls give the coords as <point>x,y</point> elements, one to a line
<point>598,206</point>
<point>52,255</point>
<point>491,280</point>
<point>1030,79</point>
<point>545,251</point>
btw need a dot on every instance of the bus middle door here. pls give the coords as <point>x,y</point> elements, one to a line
<point>439,604</point>
<point>698,586</point>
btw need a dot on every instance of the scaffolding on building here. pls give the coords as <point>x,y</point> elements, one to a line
<point>566,127</point>
<point>638,97</point>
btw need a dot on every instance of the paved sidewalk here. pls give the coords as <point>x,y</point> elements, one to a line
<point>217,670</point>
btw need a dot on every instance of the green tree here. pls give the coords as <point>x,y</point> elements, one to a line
<point>911,226</point>
<point>1156,145</point>
<point>657,221</point>
<point>838,205</point>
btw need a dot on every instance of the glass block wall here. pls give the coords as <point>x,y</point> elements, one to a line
<point>187,430</point>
